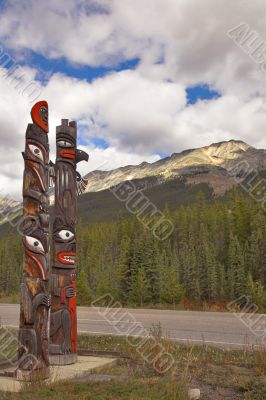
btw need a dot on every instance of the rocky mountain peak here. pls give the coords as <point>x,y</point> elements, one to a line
<point>221,155</point>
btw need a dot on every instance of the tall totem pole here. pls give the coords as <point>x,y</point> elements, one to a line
<point>68,183</point>
<point>33,355</point>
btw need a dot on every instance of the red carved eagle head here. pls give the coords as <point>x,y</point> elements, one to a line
<point>39,115</point>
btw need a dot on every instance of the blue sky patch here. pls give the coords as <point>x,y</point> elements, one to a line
<point>94,8</point>
<point>200,92</point>
<point>47,67</point>
<point>2,4</point>
<point>99,142</point>
<point>94,141</point>
<point>162,154</point>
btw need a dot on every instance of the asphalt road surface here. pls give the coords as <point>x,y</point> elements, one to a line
<point>218,329</point>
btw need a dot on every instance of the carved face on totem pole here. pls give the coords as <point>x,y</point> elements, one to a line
<point>35,298</point>
<point>66,191</point>
<point>36,208</point>
<point>65,223</point>
<point>39,115</point>
<point>67,181</point>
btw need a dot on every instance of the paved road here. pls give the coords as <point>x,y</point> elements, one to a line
<point>219,329</point>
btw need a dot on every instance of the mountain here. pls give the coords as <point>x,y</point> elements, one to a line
<point>213,165</point>
<point>9,209</point>
<point>174,180</point>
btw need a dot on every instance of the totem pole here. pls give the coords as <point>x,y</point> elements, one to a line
<point>33,355</point>
<point>68,183</point>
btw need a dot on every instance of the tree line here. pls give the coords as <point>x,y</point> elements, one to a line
<point>216,253</point>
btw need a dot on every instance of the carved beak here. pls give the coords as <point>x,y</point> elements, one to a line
<point>81,156</point>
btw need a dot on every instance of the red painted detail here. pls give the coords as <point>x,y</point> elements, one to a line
<point>68,153</point>
<point>73,314</point>
<point>35,115</point>
<point>33,144</point>
<point>66,257</point>
<point>32,166</point>
<point>39,264</point>
<point>33,248</point>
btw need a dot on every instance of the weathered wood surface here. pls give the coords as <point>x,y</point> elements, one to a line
<point>33,357</point>
<point>63,327</point>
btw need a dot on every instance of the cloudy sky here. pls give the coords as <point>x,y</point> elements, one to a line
<point>143,78</point>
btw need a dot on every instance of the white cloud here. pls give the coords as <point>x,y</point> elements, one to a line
<point>188,35</point>
<point>139,115</point>
<point>141,112</point>
<point>81,102</point>
<point>111,158</point>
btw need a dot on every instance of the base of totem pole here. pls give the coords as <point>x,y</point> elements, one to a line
<point>63,359</point>
<point>84,366</point>
<point>25,376</point>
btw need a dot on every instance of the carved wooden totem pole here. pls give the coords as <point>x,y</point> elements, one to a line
<point>68,183</point>
<point>33,356</point>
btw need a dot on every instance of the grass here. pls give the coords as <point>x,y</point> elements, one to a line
<point>132,389</point>
<point>10,299</point>
<point>185,304</point>
<point>219,374</point>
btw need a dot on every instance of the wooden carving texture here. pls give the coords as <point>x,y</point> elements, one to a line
<point>35,299</point>
<point>68,183</point>
<point>63,327</point>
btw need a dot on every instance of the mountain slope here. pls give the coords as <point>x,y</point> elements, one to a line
<point>104,206</point>
<point>217,160</point>
<point>173,180</point>
<point>9,209</point>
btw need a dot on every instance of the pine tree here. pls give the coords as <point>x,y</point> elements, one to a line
<point>252,255</point>
<point>122,270</point>
<point>171,291</point>
<point>211,274</point>
<point>257,294</point>
<point>140,289</point>
<point>84,295</point>
<point>216,252</point>
<point>236,271</point>
<point>221,281</point>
